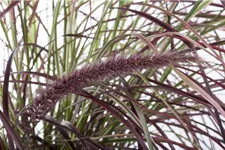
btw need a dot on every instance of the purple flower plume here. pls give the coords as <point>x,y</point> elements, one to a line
<point>100,71</point>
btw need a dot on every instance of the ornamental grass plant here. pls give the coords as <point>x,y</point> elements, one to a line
<point>111,74</point>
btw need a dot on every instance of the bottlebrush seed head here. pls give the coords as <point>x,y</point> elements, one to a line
<point>99,71</point>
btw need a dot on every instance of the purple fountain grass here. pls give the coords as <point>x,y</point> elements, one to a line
<point>100,71</point>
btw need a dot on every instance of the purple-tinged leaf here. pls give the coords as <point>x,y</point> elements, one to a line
<point>6,85</point>
<point>5,94</point>
<point>11,131</point>
<point>1,144</point>
<point>114,111</point>
<point>11,6</point>
<point>200,90</point>
<point>68,126</point>
<point>223,3</point>
<point>66,136</point>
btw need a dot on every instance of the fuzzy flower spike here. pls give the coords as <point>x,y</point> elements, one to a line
<point>100,71</point>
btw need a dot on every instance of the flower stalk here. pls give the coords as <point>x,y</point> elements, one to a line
<point>100,71</point>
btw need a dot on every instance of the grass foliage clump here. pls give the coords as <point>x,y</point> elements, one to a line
<point>112,75</point>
